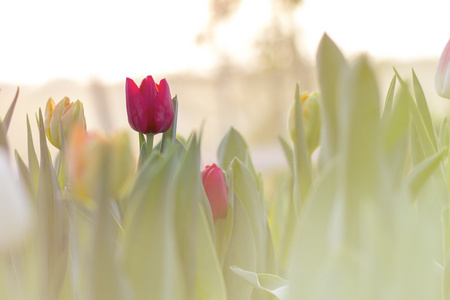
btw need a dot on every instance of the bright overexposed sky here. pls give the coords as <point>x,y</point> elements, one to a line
<point>110,40</point>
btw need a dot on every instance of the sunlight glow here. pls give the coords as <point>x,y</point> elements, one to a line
<point>110,40</point>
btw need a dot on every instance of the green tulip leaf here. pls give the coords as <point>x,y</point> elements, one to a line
<point>446,278</point>
<point>445,216</point>
<point>3,139</point>
<point>302,159</point>
<point>246,190</point>
<point>417,152</point>
<point>189,191</point>
<point>11,286</point>
<point>251,167</point>
<point>423,110</point>
<point>105,271</point>
<point>421,132</point>
<point>81,238</point>
<point>195,229</point>
<point>141,139</point>
<point>52,225</point>
<point>142,155</point>
<point>209,281</point>
<point>232,145</point>
<point>316,232</point>
<point>151,257</point>
<point>422,172</point>
<point>268,283</point>
<point>8,117</point>
<point>359,130</point>
<point>223,227</point>
<point>241,251</point>
<point>444,133</point>
<point>25,175</point>
<point>288,152</point>
<point>445,142</point>
<point>396,130</point>
<point>172,132</point>
<point>61,161</point>
<point>330,65</point>
<point>389,102</point>
<point>33,163</point>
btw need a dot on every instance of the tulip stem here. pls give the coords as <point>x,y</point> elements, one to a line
<point>141,140</point>
<point>149,147</point>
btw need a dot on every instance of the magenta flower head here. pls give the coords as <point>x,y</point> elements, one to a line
<point>442,79</point>
<point>149,107</point>
<point>216,190</point>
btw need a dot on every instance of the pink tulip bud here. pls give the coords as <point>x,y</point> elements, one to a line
<point>442,78</point>
<point>216,190</point>
<point>149,107</point>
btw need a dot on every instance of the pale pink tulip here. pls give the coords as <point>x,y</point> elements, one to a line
<point>442,79</point>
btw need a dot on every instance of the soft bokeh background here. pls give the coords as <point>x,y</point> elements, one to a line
<point>231,63</point>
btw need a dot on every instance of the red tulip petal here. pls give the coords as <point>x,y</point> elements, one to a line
<point>134,102</point>
<point>206,171</point>
<point>216,190</point>
<point>149,92</point>
<point>164,112</point>
<point>149,107</point>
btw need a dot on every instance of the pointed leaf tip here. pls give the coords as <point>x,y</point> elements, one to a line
<point>8,117</point>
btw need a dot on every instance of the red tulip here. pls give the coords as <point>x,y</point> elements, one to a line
<point>442,78</point>
<point>149,107</point>
<point>216,190</point>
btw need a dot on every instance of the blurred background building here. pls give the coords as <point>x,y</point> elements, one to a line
<point>231,62</point>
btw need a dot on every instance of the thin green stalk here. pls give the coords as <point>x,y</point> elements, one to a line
<point>142,150</point>
<point>141,140</point>
<point>149,147</point>
<point>172,132</point>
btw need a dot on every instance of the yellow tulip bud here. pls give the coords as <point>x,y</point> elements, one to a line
<point>311,119</point>
<point>66,113</point>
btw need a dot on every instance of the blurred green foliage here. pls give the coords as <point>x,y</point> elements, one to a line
<point>365,216</point>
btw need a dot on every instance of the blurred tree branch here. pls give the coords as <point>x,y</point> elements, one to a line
<point>276,44</point>
<point>278,63</point>
<point>219,12</point>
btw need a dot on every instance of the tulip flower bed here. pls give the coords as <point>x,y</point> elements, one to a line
<point>369,219</point>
